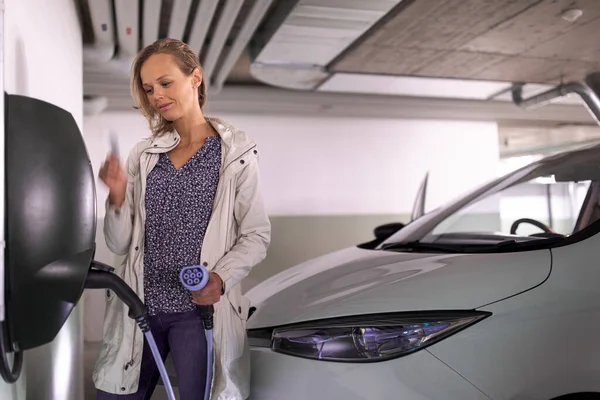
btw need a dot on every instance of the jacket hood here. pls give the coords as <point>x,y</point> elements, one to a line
<point>235,142</point>
<point>356,281</point>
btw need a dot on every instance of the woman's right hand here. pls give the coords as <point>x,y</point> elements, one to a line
<point>114,177</point>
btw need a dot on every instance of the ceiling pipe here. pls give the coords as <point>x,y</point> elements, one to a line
<point>250,25</point>
<point>589,97</point>
<point>127,12</point>
<point>179,16</point>
<point>226,21</point>
<point>202,20</point>
<point>151,21</point>
<point>127,36</point>
<point>103,48</point>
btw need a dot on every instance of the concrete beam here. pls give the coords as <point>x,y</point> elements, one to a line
<point>271,101</point>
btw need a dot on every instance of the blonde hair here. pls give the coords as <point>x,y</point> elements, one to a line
<point>187,61</point>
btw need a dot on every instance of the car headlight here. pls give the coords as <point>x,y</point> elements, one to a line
<point>364,338</point>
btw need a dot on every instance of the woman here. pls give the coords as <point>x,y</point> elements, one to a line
<point>190,194</point>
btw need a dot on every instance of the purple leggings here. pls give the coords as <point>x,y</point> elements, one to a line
<point>183,335</point>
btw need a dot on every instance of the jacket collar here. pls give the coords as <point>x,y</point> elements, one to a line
<point>234,142</point>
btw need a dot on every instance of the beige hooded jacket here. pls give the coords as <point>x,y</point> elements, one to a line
<point>236,239</point>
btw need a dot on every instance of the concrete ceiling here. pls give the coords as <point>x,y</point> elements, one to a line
<point>499,40</point>
<point>490,40</point>
<point>423,54</point>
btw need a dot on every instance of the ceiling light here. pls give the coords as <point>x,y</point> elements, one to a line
<point>411,86</point>
<point>572,14</point>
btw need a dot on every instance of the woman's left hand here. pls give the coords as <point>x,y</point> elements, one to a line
<point>211,293</point>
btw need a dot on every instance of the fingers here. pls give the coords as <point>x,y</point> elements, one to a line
<point>207,296</point>
<point>207,300</point>
<point>111,172</point>
<point>113,166</point>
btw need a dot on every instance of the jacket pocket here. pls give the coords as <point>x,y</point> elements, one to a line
<point>240,304</point>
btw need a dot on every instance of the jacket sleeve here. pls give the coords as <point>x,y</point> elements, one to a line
<point>254,230</point>
<point>118,221</point>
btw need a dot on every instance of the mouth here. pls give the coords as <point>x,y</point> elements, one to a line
<point>163,107</point>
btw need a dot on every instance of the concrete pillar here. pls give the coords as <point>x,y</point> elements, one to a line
<point>55,370</point>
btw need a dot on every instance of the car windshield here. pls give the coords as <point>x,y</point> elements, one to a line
<point>549,200</point>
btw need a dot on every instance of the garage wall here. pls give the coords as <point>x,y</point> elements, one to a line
<point>327,182</point>
<point>43,58</point>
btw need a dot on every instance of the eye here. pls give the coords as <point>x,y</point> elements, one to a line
<point>148,91</point>
<point>166,84</point>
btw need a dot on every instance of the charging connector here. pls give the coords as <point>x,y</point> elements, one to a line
<point>195,278</point>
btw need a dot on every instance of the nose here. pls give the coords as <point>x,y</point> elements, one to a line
<point>158,94</point>
<point>157,98</point>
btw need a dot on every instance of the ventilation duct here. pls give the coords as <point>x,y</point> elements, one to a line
<point>127,13</point>
<point>219,56</point>
<point>241,41</point>
<point>126,29</point>
<point>313,35</point>
<point>217,42</point>
<point>103,48</point>
<point>204,16</point>
<point>151,21</point>
<point>179,16</point>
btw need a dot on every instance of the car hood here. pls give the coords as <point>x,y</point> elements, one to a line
<point>358,281</point>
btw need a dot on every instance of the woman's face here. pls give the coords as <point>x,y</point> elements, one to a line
<point>172,93</point>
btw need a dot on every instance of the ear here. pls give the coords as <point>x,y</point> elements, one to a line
<point>197,77</point>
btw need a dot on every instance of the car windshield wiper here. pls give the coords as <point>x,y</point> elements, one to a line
<point>507,244</point>
<point>450,248</point>
<point>416,245</point>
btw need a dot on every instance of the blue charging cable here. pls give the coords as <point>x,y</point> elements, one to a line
<point>159,363</point>
<point>195,278</point>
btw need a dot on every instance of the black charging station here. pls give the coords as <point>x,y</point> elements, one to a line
<point>49,230</point>
<point>50,219</point>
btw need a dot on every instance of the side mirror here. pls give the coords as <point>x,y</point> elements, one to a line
<point>383,232</point>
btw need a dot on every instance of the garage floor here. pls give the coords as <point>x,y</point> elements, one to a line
<point>90,352</point>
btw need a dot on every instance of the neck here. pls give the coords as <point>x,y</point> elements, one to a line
<point>192,128</point>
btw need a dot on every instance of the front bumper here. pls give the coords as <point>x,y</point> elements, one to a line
<point>419,376</point>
